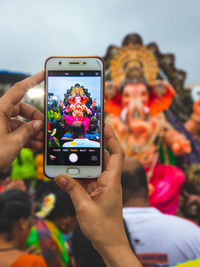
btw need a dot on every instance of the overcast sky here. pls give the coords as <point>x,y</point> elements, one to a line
<point>59,85</point>
<point>31,31</point>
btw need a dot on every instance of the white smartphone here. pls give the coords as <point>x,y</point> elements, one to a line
<point>74,107</point>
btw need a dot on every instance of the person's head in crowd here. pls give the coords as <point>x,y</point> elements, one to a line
<point>190,206</point>
<point>77,130</point>
<point>43,188</point>
<point>16,217</point>
<point>8,184</point>
<point>61,212</point>
<point>190,199</point>
<point>134,185</point>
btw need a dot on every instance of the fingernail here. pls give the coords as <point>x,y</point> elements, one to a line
<point>61,181</point>
<point>37,125</point>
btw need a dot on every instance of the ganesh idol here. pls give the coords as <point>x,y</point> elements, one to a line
<point>77,107</point>
<point>135,101</point>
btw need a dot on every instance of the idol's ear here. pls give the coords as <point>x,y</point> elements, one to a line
<point>112,99</point>
<point>161,96</point>
<point>110,89</point>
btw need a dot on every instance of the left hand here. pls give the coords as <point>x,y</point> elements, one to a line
<point>15,134</point>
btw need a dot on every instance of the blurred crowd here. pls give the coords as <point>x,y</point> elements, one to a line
<point>81,225</point>
<point>39,218</point>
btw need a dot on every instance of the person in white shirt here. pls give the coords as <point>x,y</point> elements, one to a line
<point>78,135</point>
<point>158,239</point>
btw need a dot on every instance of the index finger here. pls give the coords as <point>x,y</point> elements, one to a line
<point>27,111</point>
<point>115,149</point>
<point>17,91</point>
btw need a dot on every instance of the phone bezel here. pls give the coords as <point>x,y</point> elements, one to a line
<point>52,63</point>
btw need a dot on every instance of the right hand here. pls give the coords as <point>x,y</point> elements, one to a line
<point>99,209</point>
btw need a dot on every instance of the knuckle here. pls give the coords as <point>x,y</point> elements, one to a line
<point>70,186</point>
<point>34,113</point>
<point>24,134</point>
<point>19,84</point>
<point>82,207</point>
<point>19,139</point>
<point>6,108</point>
<point>28,129</point>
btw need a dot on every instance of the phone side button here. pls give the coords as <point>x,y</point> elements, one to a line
<point>73,171</point>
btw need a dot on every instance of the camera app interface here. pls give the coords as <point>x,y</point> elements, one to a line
<point>74,118</point>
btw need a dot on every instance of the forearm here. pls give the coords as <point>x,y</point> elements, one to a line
<point>119,256</point>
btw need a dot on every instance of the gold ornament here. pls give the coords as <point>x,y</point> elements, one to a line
<point>77,90</point>
<point>133,62</point>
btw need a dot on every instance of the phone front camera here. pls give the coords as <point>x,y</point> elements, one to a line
<point>59,62</point>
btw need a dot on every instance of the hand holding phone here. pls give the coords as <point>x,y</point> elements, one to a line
<point>14,134</point>
<point>99,209</point>
<point>74,116</point>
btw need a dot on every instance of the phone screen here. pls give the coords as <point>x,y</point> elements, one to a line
<point>74,117</point>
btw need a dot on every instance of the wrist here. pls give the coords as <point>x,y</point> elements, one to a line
<point>115,249</point>
<point>119,255</point>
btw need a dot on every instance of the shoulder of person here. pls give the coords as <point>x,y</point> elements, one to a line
<point>171,222</point>
<point>183,225</point>
<point>29,260</point>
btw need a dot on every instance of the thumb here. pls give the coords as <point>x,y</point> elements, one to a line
<point>76,191</point>
<point>24,133</point>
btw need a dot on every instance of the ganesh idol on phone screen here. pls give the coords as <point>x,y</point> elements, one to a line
<point>136,98</point>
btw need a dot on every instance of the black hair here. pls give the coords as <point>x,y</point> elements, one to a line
<point>77,130</point>
<point>5,173</point>
<point>43,188</point>
<point>83,251</point>
<point>14,204</point>
<point>60,130</point>
<point>134,183</point>
<point>63,206</point>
